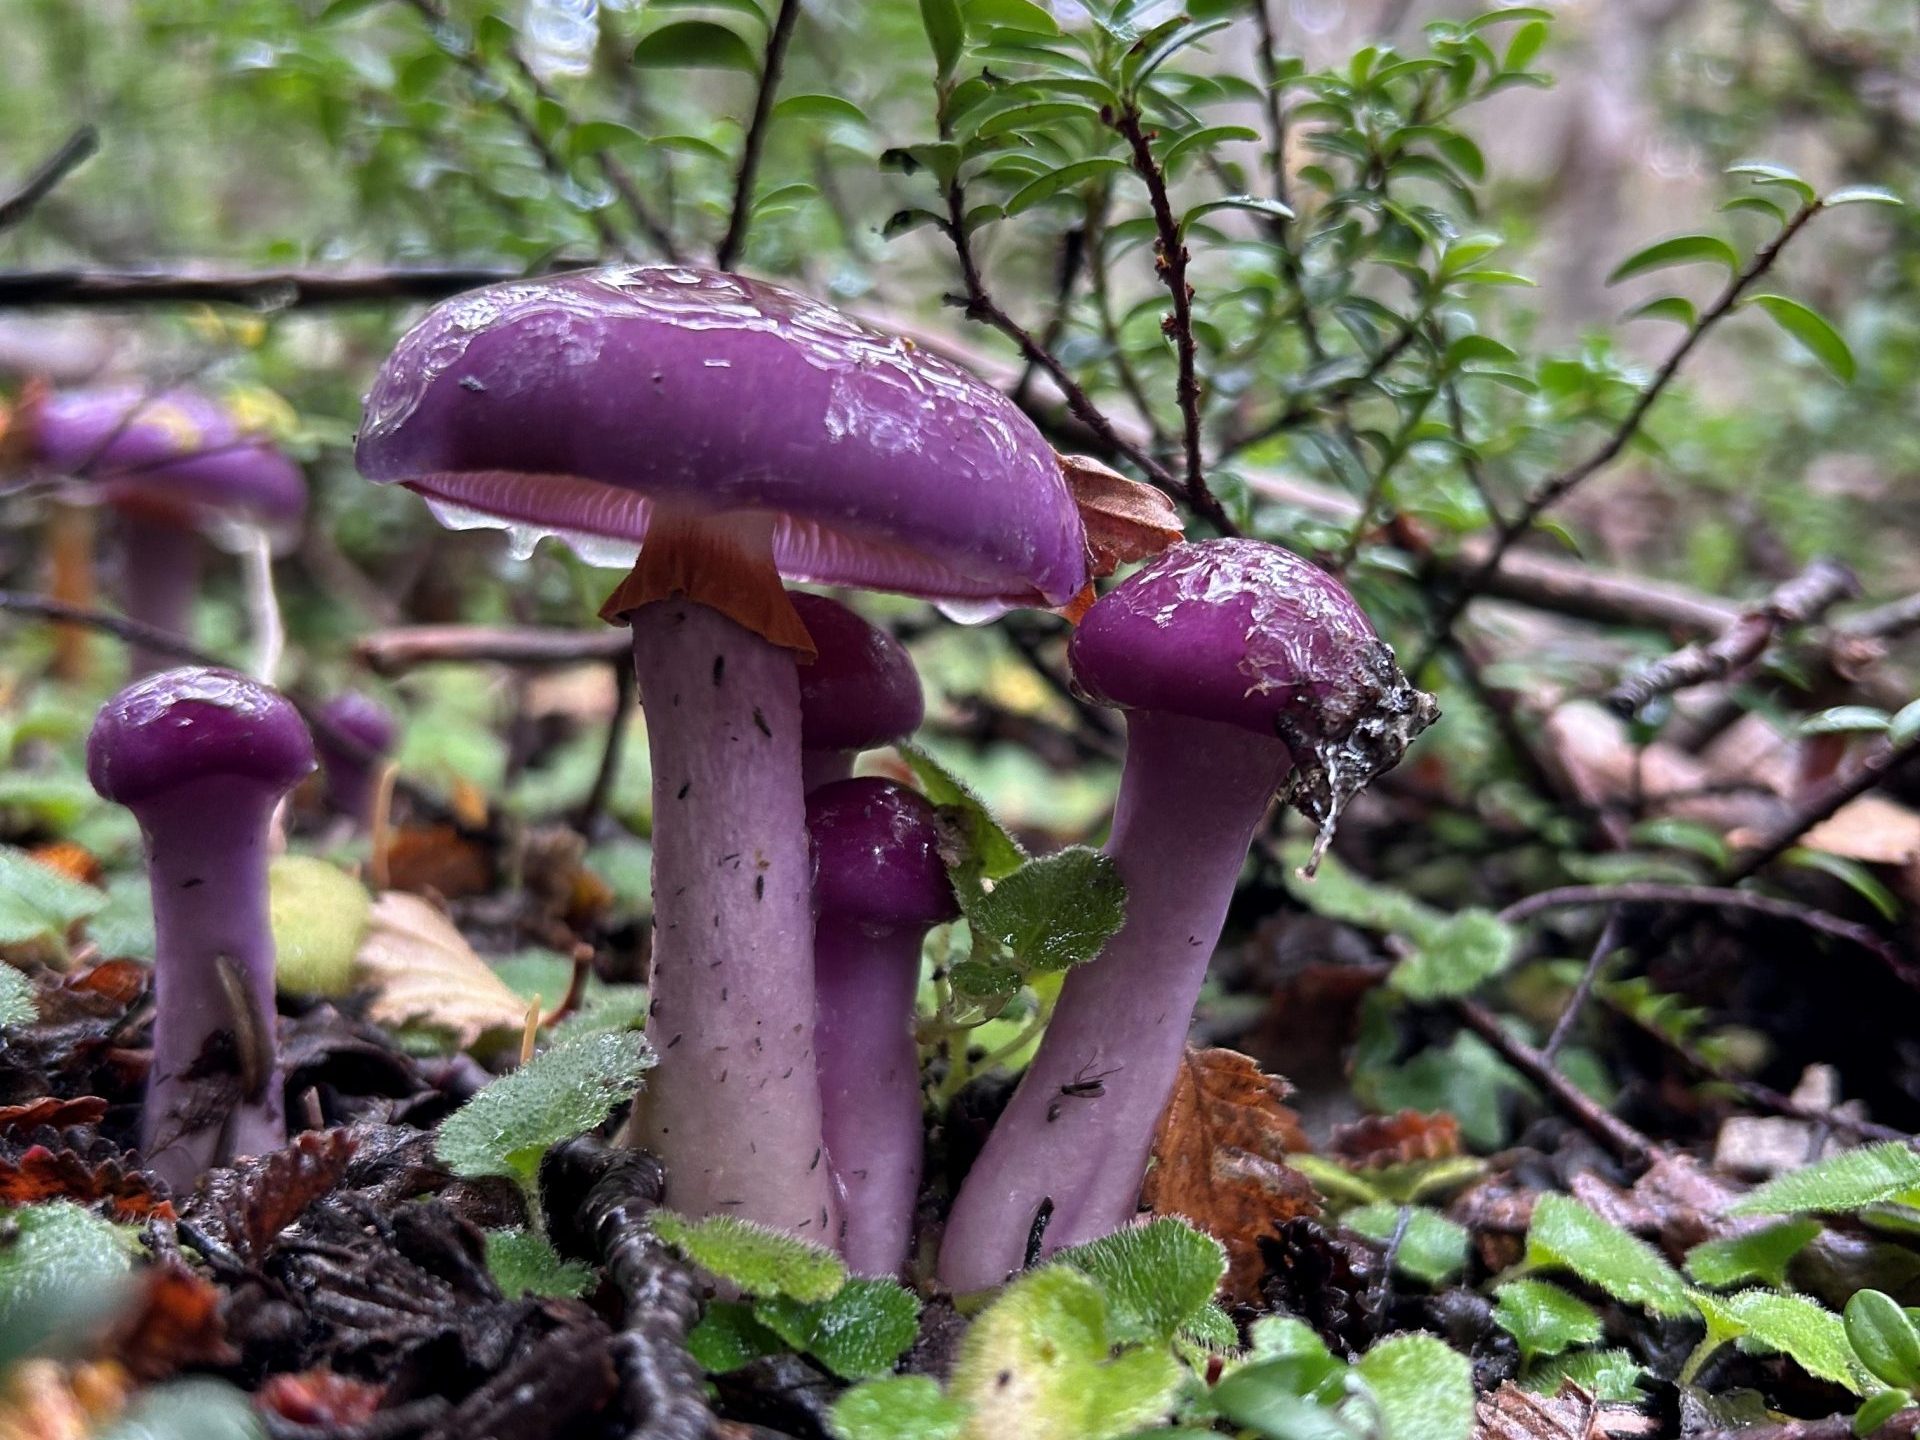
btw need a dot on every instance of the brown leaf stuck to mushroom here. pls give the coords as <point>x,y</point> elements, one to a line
<point>1220,1159</point>
<point>1126,519</point>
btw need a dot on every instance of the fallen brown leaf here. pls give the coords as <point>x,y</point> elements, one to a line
<point>39,1173</point>
<point>1374,1142</point>
<point>1511,1413</point>
<point>173,1323</point>
<point>250,1203</point>
<point>54,1111</point>
<point>422,971</point>
<point>320,1397</point>
<point>1873,830</point>
<point>1125,519</point>
<point>1220,1160</point>
<point>76,862</point>
<point>438,859</point>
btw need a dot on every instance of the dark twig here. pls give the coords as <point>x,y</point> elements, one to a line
<point>777,42</point>
<point>1268,57</point>
<point>1885,622</point>
<point>1170,263</point>
<point>260,289</point>
<point>1304,406</point>
<point>1577,1002</point>
<point>1558,487</point>
<point>1609,1129</point>
<point>1874,769</point>
<point>595,804</point>
<point>1648,892</point>
<point>1800,601</point>
<point>74,152</point>
<point>599,1200</point>
<point>1073,258</point>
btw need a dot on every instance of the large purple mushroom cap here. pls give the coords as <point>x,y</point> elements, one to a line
<point>876,848</point>
<point>1248,634</point>
<point>182,726</point>
<point>580,406</point>
<point>861,689</point>
<point>173,449</point>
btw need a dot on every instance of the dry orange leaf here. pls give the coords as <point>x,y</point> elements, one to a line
<point>1125,519</point>
<point>422,971</point>
<point>1220,1160</point>
<point>1374,1142</point>
<point>1511,1413</point>
<point>64,857</point>
<point>438,858</point>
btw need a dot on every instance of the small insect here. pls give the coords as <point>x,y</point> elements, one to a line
<point>1082,1087</point>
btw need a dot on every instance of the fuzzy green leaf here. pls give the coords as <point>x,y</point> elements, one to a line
<point>1610,1376</point>
<point>1884,1338</point>
<point>1423,1388</point>
<point>319,916</point>
<point>1809,1334</point>
<point>1758,1255</point>
<point>1055,911</point>
<point>39,903</point>
<point>1814,332</point>
<point>1543,1318</point>
<point>1678,250</point>
<point>758,1260</point>
<point>729,1336</point>
<point>1432,1248</point>
<point>1565,1234</point>
<point>697,45</point>
<point>1158,1277</point>
<point>857,1332</point>
<point>523,1262</point>
<point>1456,956</point>
<point>1840,1184</point>
<point>987,850</point>
<point>16,997</point>
<point>902,1407</point>
<point>60,1273</point>
<point>561,1093</point>
<point>1041,1362</point>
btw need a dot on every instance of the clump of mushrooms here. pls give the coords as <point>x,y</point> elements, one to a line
<point>172,467</point>
<point>732,433</point>
<point>1241,668</point>
<point>202,757</point>
<point>879,886</point>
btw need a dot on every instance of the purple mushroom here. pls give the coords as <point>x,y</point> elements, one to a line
<point>170,465</point>
<point>879,886</point>
<point>860,691</point>
<point>201,757</point>
<point>353,772</point>
<point>731,433</point>
<point>1238,664</point>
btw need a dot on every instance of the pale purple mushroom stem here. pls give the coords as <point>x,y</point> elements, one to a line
<point>207,854</point>
<point>1079,1128</point>
<point>735,1117</point>
<point>160,564</point>
<point>823,767</point>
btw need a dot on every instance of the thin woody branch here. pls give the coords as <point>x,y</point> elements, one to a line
<point>74,152</point>
<point>1801,601</point>
<point>1171,264</point>
<point>742,212</point>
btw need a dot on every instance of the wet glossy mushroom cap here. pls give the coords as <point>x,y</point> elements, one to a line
<point>1248,634</point>
<point>197,723</point>
<point>176,448</point>
<point>876,855</point>
<point>572,406</point>
<point>362,718</point>
<point>861,689</point>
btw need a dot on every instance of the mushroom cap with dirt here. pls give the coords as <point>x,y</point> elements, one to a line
<point>733,433</point>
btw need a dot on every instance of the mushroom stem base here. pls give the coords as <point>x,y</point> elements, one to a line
<point>733,1107</point>
<point>1080,1126</point>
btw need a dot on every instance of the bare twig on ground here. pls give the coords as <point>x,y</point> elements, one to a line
<point>405,647</point>
<point>74,151</point>
<point>1609,1129</point>
<point>1608,942</point>
<point>595,805</point>
<point>1873,771</point>
<point>1801,601</point>
<point>742,212</point>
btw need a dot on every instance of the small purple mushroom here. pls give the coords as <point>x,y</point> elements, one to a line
<point>1238,663</point>
<point>860,691</point>
<point>731,433</point>
<point>353,774</point>
<point>879,886</point>
<point>201,757</point>
<point>170,466</point>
